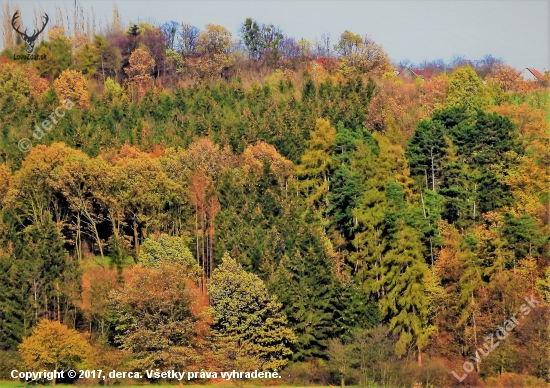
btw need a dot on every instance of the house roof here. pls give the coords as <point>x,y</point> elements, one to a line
<point>538,75</point>
<point>424,74</point>
<point>402,69</point>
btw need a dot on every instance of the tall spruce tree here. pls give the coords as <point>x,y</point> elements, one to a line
<point>37,276</point>
<point>306,285</point>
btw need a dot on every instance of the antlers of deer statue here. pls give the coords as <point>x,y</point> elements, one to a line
<point>30,40</point>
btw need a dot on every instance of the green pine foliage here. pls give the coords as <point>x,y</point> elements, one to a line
<point>39,278</point>
<point>455,153</point>
<point>306,285</point>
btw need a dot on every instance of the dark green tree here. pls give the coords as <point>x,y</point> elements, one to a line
<point>425,154</point>
<point>346,191</point>
<point>39,279</point>
<point>307,287</point>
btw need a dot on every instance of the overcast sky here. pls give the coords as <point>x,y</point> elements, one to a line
<point>514,30</point>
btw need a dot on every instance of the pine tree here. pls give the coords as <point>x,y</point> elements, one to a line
<point>38,279</point>
<point>425,152</point>
<point>15,313</point>
<point>306,286</point>
<point>347,189</point>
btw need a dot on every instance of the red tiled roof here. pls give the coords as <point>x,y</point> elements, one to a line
<point>424,73</point>
<point>536,73</point>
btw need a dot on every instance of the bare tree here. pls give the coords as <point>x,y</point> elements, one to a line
<point>488,64</point>
<point>8,38</point>
<point>405,63</point>
<point>170,31</point>
<point>188,38</point>
<point>325,40</point>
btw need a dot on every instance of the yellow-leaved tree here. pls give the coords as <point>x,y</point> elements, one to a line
<point>363,53</point>
<point>18,83</point>
<point>466,89</point>
<point>55,347</point>
<point>213,44</point>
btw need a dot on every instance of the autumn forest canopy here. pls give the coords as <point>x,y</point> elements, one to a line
<point>259,202</point>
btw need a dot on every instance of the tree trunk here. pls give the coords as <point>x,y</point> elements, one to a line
<point>203,256</point>
<point>475,189</point>
<point>78,239</point>
<point>136,238</point>
<point>433,170</point>
<point>115,227</point>
<point>96,232</point>
<point>432,252</point>
<point>35,300</point>
<point>211,240</point>
<point>197,234</point>
<point>423,206</point>
<point>58,303</point>
<point>207,237</point>
<point>426,178</point>
<point>475,334</point>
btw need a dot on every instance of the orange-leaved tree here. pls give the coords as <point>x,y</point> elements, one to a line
<point>72,86</point>
<point>160,319</point>
<point>140,69</point>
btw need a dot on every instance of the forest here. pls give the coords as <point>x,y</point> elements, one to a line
<point>204,201</point>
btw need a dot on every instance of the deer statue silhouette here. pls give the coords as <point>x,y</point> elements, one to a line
<point>30,40</point>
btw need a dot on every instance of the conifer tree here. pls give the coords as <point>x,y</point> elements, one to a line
<point>406,303</point>
<point>38,279</point>
<point>347,189</point>
<point>425,153</point>
<point>315,168</point>
<point>306,285</point>
<point>248,325</point>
